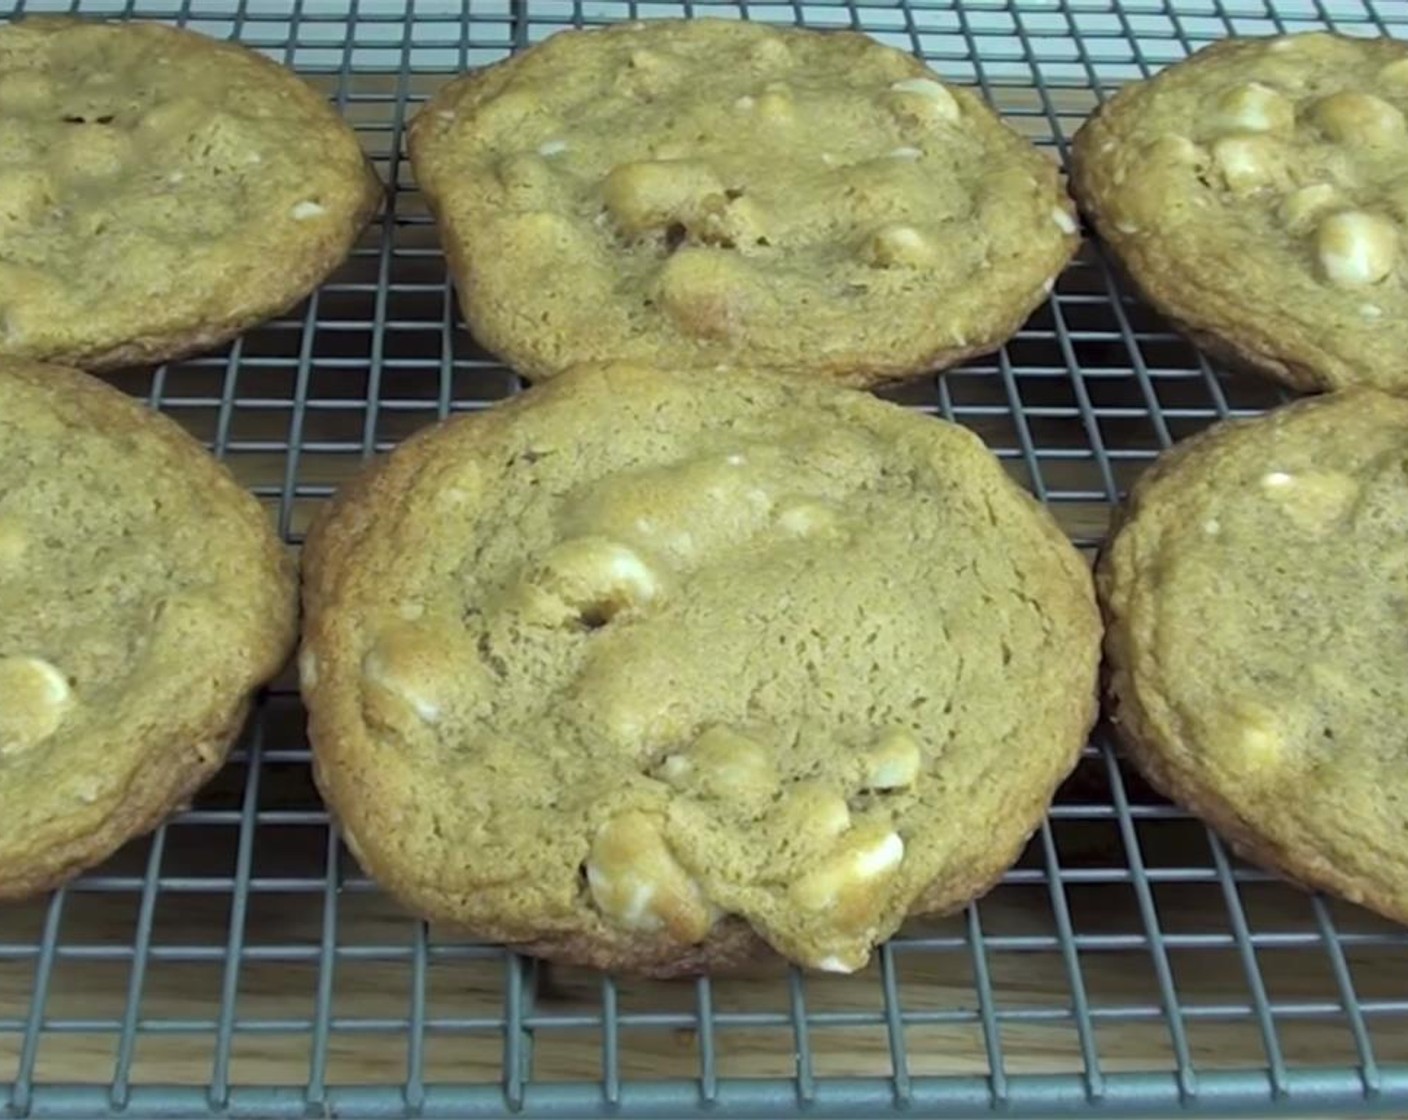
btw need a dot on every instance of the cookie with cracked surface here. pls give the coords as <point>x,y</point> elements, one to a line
<point>709,192</point>
<point>1257,194</point>
<point>1256,596</point>
<point>644,670</point>
<point>160,191</point>
<point>143,598</point>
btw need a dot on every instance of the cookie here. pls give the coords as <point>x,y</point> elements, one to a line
<point>706,192</point>
<point>143,598</point>
<point>160,192</point>
<point>1257,194</point>
<point>645,670</point>
<point>1256,596</point>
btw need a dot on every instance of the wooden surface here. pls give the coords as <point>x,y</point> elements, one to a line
<point>938,978</point>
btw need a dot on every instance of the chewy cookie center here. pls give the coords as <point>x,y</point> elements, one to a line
<point>700,788</point>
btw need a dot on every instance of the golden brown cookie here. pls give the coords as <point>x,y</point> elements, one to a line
<point>1257,602</point>
<point>143,598</point>
<point>643,670</point>
<point>161,191</point>
<point>706,192</point>
<point>1257,194</point>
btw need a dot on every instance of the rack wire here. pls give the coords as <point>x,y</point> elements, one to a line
<point>237,962</point>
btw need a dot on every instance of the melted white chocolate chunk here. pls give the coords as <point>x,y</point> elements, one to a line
<point>637,884</point>
<point>597,578</point>
<point>1359,119</point>
<point>1254,107</point>
<point>1248,163</point>
<point>924,101</point>
<point>1302,208</point>
<point>723,763</point>
<point>1356,248</point>
<point>893,763</point>
<point>34,696</point>
<point>844,892</point>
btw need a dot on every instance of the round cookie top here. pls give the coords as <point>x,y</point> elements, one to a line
<point>1258,192</point>
<point>1256,597</point>
<point>703,192</point>
<point>161,191</point>
<point>143,597</point>
<point>638,667</point>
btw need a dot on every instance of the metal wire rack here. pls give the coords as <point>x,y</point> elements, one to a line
<point>237,963</point>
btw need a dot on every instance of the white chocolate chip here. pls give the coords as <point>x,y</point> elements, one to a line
<point>1356,248</point>
<point>1258,739</point>
<point>900,246</point>
<point>33,698</point>
<point>944,106</point>
<point>893,763</point>
<point>734,460</point>
<point>1175,149</point>
<point>803,517</point>
<point>1284,44</point>
<point>552,148</point>
<point>307,668</point>
<point>637,884</point>
<point>650,195</point>
<point>1315,501</point>
<point>1359,119</point>
<point>1371,310</point>
<point>446,114</point>
<point>904,153</point>
<point>597,578</point>
<point>853,870</point>
<point>1304,207</point>
<point>414,673</point>
<point>924,102</point>
<point>722,763</point>
<point>744,103</point>
<point>1212,526</point>
<point>302,211</point>
<point>1064,222</point>
<point>381,671</point>
<point>1254,107</point>
<point>880,858</point>
<point>1248,163</point>
<point>813,813</point>
<point>834,964</point>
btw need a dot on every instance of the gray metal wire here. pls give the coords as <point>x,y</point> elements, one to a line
<point>1077,404</point>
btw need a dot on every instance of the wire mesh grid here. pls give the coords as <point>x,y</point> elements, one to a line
<point>237,962</point>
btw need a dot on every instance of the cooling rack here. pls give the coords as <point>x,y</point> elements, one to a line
<point>237,963</point>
